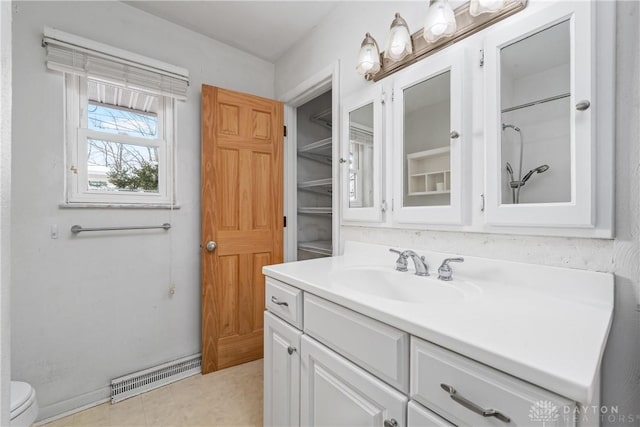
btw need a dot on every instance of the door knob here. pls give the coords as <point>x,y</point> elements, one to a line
<point>583,105</point>
<point>390,423</point>
<point>211,246</point>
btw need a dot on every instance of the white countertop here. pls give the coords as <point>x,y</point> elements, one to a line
<point>545,325</point>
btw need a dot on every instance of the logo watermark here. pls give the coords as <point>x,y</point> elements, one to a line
<point>547,413</point>
<point>544,411</point>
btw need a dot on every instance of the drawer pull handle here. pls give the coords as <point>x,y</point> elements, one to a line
<point>276,302</point>
<point>472,406</point>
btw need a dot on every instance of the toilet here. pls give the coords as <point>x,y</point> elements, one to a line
<point>24,408</point>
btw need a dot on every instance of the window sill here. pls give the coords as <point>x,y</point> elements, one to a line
<point>116,206</point>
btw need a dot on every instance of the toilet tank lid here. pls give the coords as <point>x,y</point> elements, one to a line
<point>20,393</point>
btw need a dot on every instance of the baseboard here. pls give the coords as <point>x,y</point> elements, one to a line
<point>71,406</point>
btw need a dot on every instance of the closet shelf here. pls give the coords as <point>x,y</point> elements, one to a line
<point>320,186</point>
<point>323,118</point>
<point>320,147</point>
<point>320,151</point>
<point>315,210</point>
<point>321,247</point>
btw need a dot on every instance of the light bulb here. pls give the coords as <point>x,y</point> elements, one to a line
<point>438,29</point>
<point>440,22</point>
<point>399,43</point>
<point>369,57</point>
<point>478,7</point>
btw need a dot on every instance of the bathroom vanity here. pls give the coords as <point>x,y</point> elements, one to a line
<point>349,340</point>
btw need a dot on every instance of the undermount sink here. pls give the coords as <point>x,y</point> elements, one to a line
<point>384,282</point>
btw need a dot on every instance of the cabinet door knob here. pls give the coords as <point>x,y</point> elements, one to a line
<point>454,134</point>
<point>291,350</point>
<point>583,105</point>
<point>390,423</point>
<point>343,160</point>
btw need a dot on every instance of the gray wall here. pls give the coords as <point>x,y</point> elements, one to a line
<point>339,37</point>
<point>90,308</point>
<point>5,210</point>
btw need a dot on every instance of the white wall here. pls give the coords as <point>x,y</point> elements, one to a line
<point>339,37</point>
<point>5,211</point>
<point>89,308</point>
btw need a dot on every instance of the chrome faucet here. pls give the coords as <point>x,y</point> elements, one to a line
<point>401,262</point>
<point>422,269</point>
<point>445,272</point>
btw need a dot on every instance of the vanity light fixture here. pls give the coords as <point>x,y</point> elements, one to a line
<point>369,57</point>
<point>399,43</point>
<point>478,7</point>
<point>443,27</point>
<point>440,22</point>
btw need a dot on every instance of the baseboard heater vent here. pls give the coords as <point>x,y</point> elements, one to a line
<point>148,379</point>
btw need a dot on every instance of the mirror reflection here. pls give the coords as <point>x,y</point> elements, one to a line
<point>361,157</point>
<point>535,103</point>
<point>427,154</point>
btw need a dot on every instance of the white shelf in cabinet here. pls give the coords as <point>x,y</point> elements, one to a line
<point>320,151</point>
<point>319,147</point>
<point>427,169</point>
<point>321,186</point>
<point>320,247</point>
<point>323,118</point>
<point>315,210</point>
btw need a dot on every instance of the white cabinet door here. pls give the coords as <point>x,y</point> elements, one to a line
<point>540,118</point>
<point>361,155</point>
<point>430,139</point>
<point>281,373</point>
<point>335,392</point>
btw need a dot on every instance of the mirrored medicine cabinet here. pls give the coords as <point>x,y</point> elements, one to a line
<point>539,127</point>
<point>427,117</point>
<point>521,141</point>
<point>361,156</point>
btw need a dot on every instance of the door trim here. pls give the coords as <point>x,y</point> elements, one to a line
<point>326,79</point>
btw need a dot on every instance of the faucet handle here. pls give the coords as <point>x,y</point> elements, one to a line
<point>401,262</point>
<point>445,272</point>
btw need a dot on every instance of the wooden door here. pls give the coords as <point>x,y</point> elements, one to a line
<point>242,198</point>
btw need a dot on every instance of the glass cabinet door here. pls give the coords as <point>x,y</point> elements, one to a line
<point>361,158</point>
<point>427,141</point>
<point>538,93</point>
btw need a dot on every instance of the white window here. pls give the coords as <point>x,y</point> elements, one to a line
<point>120,122</point>
<point>119,144</point>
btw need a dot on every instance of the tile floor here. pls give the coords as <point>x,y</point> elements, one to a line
<point>230,397</point>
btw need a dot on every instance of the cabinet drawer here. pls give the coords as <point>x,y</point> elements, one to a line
<point>284,301</point>
<point>475,387</point>
<point>419,416</point>
<point>378,348</point>
<point>335,392</point>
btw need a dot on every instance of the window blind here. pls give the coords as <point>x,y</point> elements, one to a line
<point>72,54</point>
